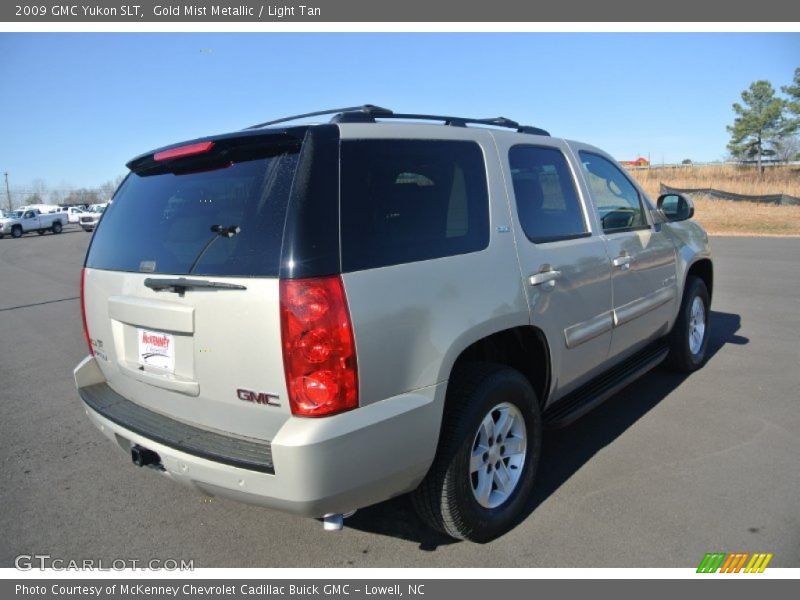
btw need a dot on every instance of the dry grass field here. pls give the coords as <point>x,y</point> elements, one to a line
<point>727,216</point>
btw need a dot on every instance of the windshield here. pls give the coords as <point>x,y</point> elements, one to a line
<point>226,220</point>
<point>17,214</point>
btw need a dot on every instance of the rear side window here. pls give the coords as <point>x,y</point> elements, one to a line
<point>410,200</point>
<point>547,203</point>
<point>225,218</point>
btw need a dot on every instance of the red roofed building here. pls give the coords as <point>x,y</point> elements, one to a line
<point>639,162</point>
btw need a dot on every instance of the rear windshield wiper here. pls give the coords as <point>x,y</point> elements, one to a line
<point>218,231</point>
<point>181,284</point>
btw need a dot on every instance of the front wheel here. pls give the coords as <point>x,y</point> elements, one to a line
<point>688,341</point>
<point>16,231</point>
<point>487,456</point>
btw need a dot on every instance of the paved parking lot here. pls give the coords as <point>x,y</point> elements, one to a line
<point>669,469</point>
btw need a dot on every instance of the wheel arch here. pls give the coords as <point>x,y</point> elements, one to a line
<point>703,269</point>
<point>524,348</point>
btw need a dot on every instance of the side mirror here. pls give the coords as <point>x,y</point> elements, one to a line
<point>675,207</point>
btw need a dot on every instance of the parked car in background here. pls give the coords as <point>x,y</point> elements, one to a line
<point>74,213</point>
<point>26,221</point>
<point>89,219</point>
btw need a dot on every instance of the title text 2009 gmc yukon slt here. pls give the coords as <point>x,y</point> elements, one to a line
<point>316,318</point>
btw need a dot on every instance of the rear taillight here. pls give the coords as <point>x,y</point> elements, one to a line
<point>319,353</point>
<point>83,312</point>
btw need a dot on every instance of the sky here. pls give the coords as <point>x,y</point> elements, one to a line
<point>74,108</point>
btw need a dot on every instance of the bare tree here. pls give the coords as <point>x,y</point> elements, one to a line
<point>38,188</point>
<point>107,190</point>
<point>787,148</point>
<point>82,196</point>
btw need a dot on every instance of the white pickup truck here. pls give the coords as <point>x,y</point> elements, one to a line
<point>25,221</point>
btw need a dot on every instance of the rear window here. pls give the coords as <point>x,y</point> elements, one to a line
<point>410,200</point>
<point>222,217</point>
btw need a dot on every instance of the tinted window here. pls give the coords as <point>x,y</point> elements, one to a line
<point>616,198</point>
<point>221,219</point>
<point>547,203</point>
<point>410,200</point>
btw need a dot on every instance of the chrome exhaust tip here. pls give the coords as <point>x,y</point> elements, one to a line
<point>335,521</point>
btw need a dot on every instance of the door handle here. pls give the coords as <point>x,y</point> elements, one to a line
<point>546,275</point>
<point>623,261</point>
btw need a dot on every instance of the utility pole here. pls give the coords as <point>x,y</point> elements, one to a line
<point>8,193</point>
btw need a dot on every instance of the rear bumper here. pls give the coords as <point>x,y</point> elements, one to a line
<point>312,467</point>
<point>245,453</point>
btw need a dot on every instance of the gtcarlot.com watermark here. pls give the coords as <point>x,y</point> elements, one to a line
<point>46,562</point>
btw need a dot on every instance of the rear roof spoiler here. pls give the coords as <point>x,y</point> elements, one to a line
<point>221,142</point>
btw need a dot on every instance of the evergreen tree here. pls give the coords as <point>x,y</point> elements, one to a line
<point>759,121</point>
<point>793,101</point>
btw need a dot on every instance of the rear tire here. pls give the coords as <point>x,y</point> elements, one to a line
<point>16,231</point>
<point>487,456</point>
<point>688,340</point>
<point>57,227</point>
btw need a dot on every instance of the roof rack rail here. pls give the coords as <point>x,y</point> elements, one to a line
<point>367,113</point>
<point>369,117</point>
<point>365,109</point>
